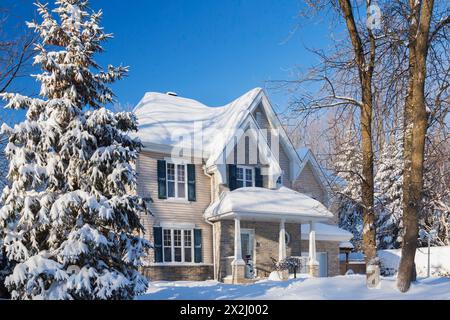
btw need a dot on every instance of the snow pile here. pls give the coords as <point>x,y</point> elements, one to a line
<point>440,260</point>
<point>304,288</point>
<point>283,201</point>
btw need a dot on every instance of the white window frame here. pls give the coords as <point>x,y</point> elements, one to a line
<point>172,246</point>
<point>244,180</point>
<point>175,164</point>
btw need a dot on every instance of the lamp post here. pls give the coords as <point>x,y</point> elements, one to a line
<point>429,235</point>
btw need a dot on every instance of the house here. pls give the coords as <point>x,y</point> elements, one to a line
<point>229,192</point>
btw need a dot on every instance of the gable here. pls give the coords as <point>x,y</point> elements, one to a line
<point>309,184</point>
<point>261,117</point>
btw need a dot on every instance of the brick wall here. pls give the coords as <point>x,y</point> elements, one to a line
<point>179,273</point>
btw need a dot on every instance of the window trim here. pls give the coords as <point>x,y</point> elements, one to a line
<point>175,181</point>
<point>172,247</point>
<point>244,180</point>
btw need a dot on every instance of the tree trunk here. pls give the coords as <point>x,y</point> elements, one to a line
<point>369,231</point>
<point>415,132</point>
<point>365,70</point>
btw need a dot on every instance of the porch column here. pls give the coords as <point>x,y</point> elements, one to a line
<point>238,264</point>
<point>237,242</point>
<point>282,241</point>
<point>313,263</point>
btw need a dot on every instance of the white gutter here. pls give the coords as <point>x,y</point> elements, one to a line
<point>210,223</point>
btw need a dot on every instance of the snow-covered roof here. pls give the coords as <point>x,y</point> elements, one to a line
<point>261,203</point>
<point>164,118</point>
<point>346,245</point>
<point>327,232</point>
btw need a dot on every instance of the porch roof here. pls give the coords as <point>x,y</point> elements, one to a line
<point>260,204</point>
<point>328,232</point>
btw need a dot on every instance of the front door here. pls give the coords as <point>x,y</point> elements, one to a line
<point>247,240</point>
<point>247,244</point>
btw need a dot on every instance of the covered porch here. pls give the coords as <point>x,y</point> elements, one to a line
<point>253,226</point>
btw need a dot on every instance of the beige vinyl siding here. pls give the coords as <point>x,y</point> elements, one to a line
<point>307,183</point>
<point>168,211</point>
<point>285,166</point>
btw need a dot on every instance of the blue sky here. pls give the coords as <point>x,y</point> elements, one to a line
<point>208,50</point>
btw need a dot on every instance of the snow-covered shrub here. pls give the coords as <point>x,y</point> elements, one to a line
<point>291,264</point>
<point>72,203</point>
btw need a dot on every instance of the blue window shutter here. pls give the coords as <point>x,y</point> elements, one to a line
<point>162,186</point>
<point>198,256</point>
<point>157,239</point>
<point>191,182</point>
<point>258,178</point>
<point>232,177</point>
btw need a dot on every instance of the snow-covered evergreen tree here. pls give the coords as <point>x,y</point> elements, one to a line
<point>436,198</point>
<point>347,186</point>
<point>351,219</point>
<point>70,218</point>
<point>348,167</point>
<point>388,194</point>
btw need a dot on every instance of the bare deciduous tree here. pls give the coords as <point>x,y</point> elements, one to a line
<point>16,48</point>
<point>346,75</point>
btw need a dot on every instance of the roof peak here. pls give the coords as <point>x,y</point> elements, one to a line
<point>171,96</point>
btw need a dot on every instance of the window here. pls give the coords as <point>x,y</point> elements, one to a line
<point>177,246</point>
<point>245,177</point>
<point>176,181</point>
<point>167,246</point>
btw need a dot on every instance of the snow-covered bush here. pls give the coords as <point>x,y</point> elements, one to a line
<point>291,264</point>
<point>70,220</point>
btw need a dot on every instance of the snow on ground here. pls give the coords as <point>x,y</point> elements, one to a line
<point>440,260</point>
<point>304,288</point>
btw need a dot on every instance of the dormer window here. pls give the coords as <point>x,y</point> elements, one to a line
<point>245,176</point>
